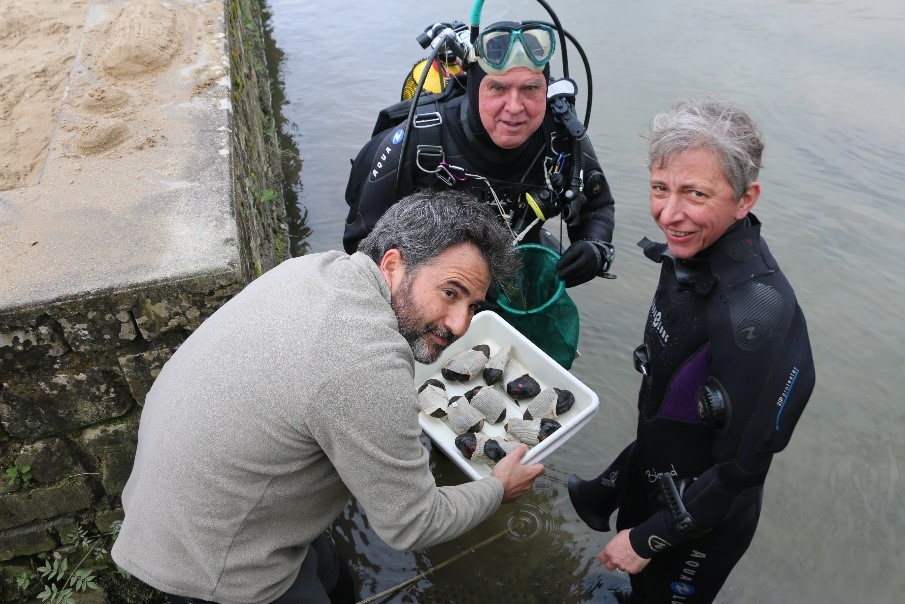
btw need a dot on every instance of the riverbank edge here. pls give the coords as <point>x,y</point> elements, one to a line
<point>74,371</point>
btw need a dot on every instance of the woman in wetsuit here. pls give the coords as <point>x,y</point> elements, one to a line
<point>726,368</point>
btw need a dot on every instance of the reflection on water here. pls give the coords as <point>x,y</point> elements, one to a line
<point>296,213</point>
<point>825,82</point>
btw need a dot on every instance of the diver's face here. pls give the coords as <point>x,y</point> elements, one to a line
<point>435,304</point>
<point>512,105</point>
<point>692,201</point>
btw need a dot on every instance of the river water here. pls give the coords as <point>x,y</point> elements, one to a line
<point>826,83</point>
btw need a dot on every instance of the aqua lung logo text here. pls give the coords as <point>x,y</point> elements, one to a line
<point>683,588</point>
<point>387,152</point>
<point>653,475</point>
<point>610,481</point>
<point>781,401</point>
<point>656,319</point>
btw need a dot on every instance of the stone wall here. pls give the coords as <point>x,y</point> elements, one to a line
<point>74,373</point>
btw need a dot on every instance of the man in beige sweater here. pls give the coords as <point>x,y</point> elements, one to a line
<point>298,394</point>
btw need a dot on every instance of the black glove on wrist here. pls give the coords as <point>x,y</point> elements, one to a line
<point>580,263</point>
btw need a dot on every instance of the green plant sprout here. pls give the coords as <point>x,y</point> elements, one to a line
<point>20,475</point>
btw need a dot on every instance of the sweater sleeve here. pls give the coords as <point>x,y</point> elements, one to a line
<point>368,427</point>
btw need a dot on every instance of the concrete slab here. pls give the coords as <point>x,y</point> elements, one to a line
<point>135,188</point>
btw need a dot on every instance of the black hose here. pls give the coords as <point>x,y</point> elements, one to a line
<point>587,70</point>
<point>562,39</point>
<point>572,209</point>
<point>409,121</point>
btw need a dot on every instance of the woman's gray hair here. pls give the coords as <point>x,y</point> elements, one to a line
<point>425,224</point>
<point>714,124</point>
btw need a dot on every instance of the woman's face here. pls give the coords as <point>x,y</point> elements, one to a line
<point>692,201</point>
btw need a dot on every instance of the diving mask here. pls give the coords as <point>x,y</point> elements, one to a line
<point>501,47</point>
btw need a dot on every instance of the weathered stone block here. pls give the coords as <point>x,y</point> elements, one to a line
<point>63,527</point>
<point>98,324</point>
<point>104,519</point>
<point>93,596</point>
<point>28,341</point>
<point>12,570</point>
<point>50,459</point>
<point>180,311</point>
<point>17,509</point>
<point>113,449</point>
<point>142,369</point>
<point>25,541</point>
<point>158,316</point>
<point>63,401</point>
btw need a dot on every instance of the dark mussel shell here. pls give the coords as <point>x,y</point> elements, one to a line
<point>492,375</point>
<point>564,400</point>
<point>493,450</point>
<point>523,387</point>
<point>466,443</point>
<point>547,427</point>
<point>432,382</point>
<point>496,364</point>
<point>469,394</point>
<point>483,348</point>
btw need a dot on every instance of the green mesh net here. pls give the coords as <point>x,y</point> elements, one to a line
<point>536,304</point>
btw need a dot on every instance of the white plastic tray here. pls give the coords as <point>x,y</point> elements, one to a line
<point>489,328</point>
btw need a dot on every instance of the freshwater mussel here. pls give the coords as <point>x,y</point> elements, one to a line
<point>531,431</point>
<point>550,403</point>
<point>489,401</point>
<point>432,398</point>
<point>463,417</point>
<point>467,364</point>
<point>482,448</point>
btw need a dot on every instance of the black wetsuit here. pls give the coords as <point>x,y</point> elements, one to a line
<point>727,317</point>
<point>468,149</point>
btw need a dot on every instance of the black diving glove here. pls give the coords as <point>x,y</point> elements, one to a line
<point>580,263</point>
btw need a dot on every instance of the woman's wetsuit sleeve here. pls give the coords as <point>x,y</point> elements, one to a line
<point>761,356</point>
<point>597,215</point>
<point>372,180</point>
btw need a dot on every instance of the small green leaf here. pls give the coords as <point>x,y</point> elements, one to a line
<point>24,580</point>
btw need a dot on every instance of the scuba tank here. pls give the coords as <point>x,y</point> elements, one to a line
<point>438,74</point>
<point>446,64</point>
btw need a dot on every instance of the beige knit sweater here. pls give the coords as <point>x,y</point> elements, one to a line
<point>293,396</point>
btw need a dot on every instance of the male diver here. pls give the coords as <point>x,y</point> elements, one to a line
<point>504,132</point>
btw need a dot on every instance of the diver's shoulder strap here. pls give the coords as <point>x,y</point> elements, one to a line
<point>426,142</point>
<point>397,113</point>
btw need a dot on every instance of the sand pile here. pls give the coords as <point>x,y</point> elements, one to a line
<point>38,43</point>
<point>90,89</point>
